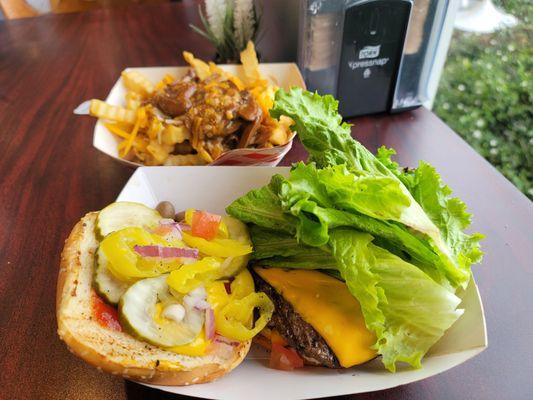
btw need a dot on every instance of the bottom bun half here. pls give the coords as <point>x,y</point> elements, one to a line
<point>116,352</point>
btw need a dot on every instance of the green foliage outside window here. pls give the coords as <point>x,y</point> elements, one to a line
<point>486,91</point>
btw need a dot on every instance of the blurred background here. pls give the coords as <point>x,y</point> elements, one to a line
<point>473,69</point>
<point>485,93</point>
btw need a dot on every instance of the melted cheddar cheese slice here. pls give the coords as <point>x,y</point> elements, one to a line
<point>326,304</point>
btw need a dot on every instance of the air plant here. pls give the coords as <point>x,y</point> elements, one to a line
<point>229,25</point>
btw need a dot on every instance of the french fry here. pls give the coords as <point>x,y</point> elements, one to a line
<point>158,151</point>
<point>141,118</point>
<point>215,69</point>
<point>155,127</point>
<point>250,65</point>
<point>282,132</point>
<point>236,81</point>
<point>278,136</point>
<point>141,155</point>
<point>205,155</point>
<point>265,97</point>
<point>286,122</point>
<point>133,100</point>
<point>147,137</point>
<point>137,82</point>
<point>200,67</point>
<point>101,109</point>
<point>185,159</point>
<point>167,80</point>
<point>175,134</point>
<point>216,150</point>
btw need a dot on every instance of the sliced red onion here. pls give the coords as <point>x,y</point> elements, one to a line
<point>165,252</point>
<point>184,227</point>
<point>169,229</point>
<point>196,299</point>
<point>167,221</point>
<point>227,285</point>
<point>209,324</point>
<point>202,305</point>
<point>176,229</point>
<point>223,339</point>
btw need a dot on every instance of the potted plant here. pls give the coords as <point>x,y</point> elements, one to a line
<point>229,25</point>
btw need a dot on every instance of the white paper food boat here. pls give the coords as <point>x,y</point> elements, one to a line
<point>213,189</point>
<point>284,75</point>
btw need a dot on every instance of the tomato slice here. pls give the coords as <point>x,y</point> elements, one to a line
<point>105,315</point>
<point>205,225</point>
<point>285,359</point>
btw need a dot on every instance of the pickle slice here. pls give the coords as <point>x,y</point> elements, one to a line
<point>237,231</point>
<point>138,311</point>
<point>105,283</point>
<point>124,214</point>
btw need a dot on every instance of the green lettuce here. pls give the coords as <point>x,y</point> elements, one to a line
<point>323,199</point>
<point>278,249</point>
<point>263,207</point>
<point>268,243</point>
<point>447,213</point>
<point>396,237</point>
<point>321,261</point>
<point>378,197</point>
<point>330,144</point>
<point>320,129</point>
<point>407,310</point>
<point>403,306</point>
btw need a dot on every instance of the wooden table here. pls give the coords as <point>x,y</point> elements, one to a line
<point>50,176</point>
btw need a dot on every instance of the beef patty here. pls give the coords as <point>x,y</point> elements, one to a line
<point>300,335</point>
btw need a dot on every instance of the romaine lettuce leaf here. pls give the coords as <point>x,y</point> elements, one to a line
<point>447,213</point>
<point>407,310</point>
<point>263,207</point>
<point>320,129</point>
<point>319,260</point>
<point>269,243</point>
<point>396,237</point>
<point>311,223</point>
<point>329,143</point>
<point>379,196</point>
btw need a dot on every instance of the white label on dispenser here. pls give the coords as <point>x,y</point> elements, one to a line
<point>369,52</point>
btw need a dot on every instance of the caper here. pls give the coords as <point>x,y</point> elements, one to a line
<point>166,209</point>
<point>180,216</point>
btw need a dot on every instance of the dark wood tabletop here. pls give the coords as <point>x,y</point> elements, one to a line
<point>50,175</point>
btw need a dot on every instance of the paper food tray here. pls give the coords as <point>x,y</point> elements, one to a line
<point>213,189</point>
<point>284,75</point>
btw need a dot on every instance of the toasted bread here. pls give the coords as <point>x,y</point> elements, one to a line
<point>118,352</point>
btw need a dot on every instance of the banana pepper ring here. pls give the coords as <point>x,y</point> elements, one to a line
<point>190,276</point>
<point>217,247</point>
<point>241,286</point>
<point>234,319</point>
<point>125,264</point>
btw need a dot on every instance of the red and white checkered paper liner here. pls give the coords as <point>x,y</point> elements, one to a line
<point>258,157</point>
